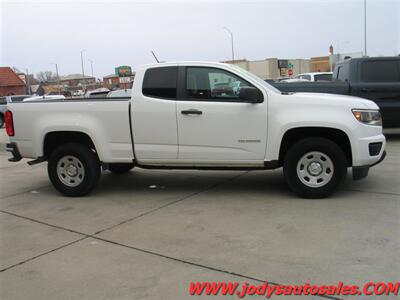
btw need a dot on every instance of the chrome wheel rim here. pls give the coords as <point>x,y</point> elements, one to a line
<point>70,171</point>
<point>315,169</point>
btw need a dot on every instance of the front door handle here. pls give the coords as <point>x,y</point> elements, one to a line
<point>191,112</point>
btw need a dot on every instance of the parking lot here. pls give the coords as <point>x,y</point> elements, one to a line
<point>147,234</point>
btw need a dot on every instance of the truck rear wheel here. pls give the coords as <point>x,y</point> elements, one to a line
<point>73,169</point>
<point>120,168</point>
<point>314,167</point>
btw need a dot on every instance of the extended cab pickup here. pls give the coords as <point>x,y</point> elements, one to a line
<point>179,117</point>
<point>374,78</point>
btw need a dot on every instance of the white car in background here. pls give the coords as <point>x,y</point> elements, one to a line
<point>97,93</point>
<point>291,80</point>
<point>315,76</point>
<point>119,93</point>
<point>44,97</point>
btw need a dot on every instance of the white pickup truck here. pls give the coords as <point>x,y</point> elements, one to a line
<point>188,115</point>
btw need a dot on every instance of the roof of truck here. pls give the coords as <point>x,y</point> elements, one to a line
<point>368,58</point>
<point>175,63</point>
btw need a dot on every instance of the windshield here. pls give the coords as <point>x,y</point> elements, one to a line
<point>256,78</point>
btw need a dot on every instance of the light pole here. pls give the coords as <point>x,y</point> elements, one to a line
<point>365,27</point>
<point>91,65</point>
<point>58,78</point>
<point>231,34</point>
<point>83,70</point>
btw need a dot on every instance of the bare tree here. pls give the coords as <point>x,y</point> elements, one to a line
<point>46,76</point>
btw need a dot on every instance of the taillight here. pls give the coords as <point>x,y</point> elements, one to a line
<point>9,123</point>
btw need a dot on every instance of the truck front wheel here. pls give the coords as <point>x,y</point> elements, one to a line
<point>73,169</point>
<point>314,167</point>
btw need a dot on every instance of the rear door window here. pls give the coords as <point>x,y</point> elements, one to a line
<point>160,82</point>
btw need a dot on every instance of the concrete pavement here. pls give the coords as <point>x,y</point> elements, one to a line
<point>147,234</point>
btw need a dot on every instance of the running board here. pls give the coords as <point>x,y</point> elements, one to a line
<point>36,161</point>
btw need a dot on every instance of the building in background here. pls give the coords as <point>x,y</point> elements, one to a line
<point>77,80</point>
<point>320,64</point>
<point>121,79</point>
<point>272,68</point>
<point>76,84</point>
<point>10,83</point>
<point>111,81</point>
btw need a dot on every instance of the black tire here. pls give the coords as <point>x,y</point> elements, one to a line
<point>1,121</point>
<point>294,168</point>
<point>89,164</point>
<point>120,168</point>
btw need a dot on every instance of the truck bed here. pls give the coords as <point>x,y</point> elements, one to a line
<point>107,120</point>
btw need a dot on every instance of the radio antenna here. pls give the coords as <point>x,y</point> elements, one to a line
<point>155,57</point>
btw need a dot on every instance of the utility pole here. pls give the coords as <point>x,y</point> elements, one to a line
<point>231,34</point>
<point>91,65</point>
<point>83,69</point>
<point>58,78</point>
<point>365,27</point>
<point>28,86</point>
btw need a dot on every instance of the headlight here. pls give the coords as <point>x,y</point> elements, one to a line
<point>369,117</point>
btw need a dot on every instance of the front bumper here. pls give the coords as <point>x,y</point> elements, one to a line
<point>362,171</point>
<point>13,149</point>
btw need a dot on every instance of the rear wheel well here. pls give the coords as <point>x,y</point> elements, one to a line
<point>58,138</point>
<point>337,136</point>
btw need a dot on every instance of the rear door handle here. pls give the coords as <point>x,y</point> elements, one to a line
<point>191,112</point>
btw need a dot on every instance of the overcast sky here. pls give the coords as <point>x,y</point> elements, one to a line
<point>35,34</point>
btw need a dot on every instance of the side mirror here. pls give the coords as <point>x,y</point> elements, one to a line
<point>251,95</point>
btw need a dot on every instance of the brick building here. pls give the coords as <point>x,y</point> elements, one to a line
<point>10,83</point>
<point>77,80</point>
<point>114,81</point>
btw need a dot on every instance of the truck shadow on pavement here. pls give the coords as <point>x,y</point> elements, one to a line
<point>244,183</point>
